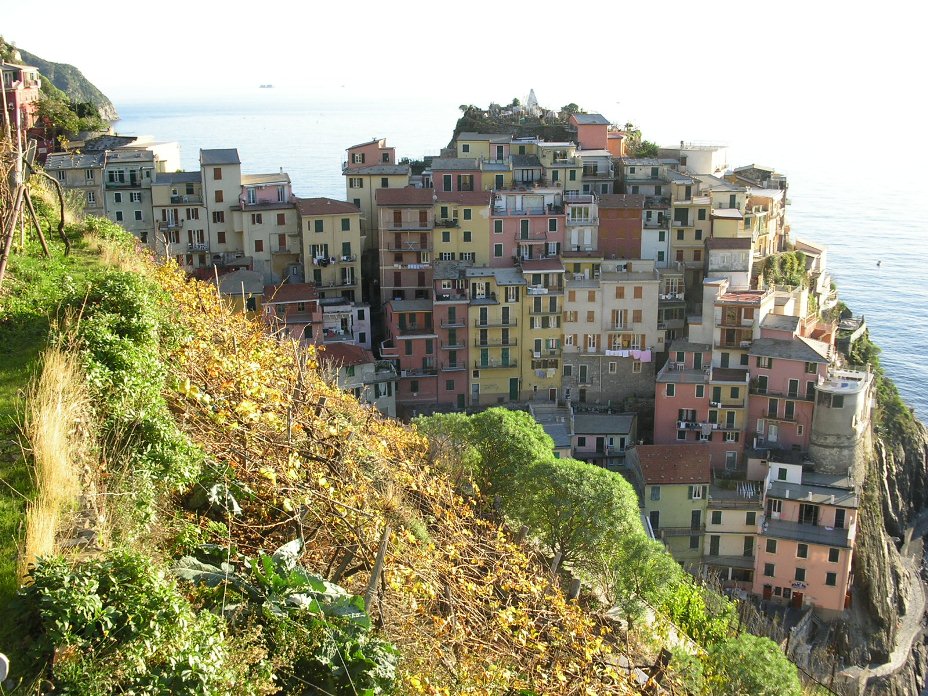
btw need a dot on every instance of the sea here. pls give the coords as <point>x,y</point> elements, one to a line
<point>876,240</point>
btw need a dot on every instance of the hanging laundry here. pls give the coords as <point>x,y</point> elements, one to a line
<point>646,355</point>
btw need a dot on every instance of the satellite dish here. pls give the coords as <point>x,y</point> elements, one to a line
<point>4,667</point>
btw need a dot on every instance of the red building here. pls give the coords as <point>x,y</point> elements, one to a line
<point>21,86</point>
<point>620,225</point>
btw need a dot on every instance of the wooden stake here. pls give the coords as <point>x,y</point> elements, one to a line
<point>9,231</point>
<point>35,221</point>
<point>378,566</point>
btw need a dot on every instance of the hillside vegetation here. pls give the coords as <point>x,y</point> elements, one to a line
<point>240,525</point>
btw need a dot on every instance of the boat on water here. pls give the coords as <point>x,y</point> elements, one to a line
<point>266,86</point>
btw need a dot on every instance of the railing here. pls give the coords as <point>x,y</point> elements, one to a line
<point>419,372</point>
<point>544,290</point>
<point>415,330</point>
<point>531,237</point>
<point>681,531</point>
<point>189,199</point>
<point>452,323</point>
<point>198,246</point>
<point>794,396</point>
<point>283,250</point>
<point>655,224</point>
<point>583,221</point>
<point>132,183</point>
<point>408,246</point>
<point>455,296</point>
<point>493,342</point>
<point>489,323</point>
<point>446,222</point>
<point>682,223</point>
<point>457,345</point>
<point>495,365</point>
<point>516,212</point>
<point>453,367</point>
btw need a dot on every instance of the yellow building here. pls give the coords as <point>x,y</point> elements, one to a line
<point>182,219</point>
<point>267,219</point>
<point>462,226</point>
<point>331,234</point>
<point>541,317</point>
<point>495,323</point>
<point>371,166</point>
<point>489,146</point>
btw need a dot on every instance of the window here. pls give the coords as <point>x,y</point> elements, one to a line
<point>355,182</point>
<point>800,575</point>
<point>769,569</point>
<point>117,197</point>
<point>219,216</point>
<point>581,441</point>
<point>118,213</point>
<point>670,389</point>
<point>750,518</point>
<point>637,292</point>
<point>552,224</point>
<point>694,542</point>
<point>135,196</point>
<point>346,224</point>
<point>700,391</point>
<point>764,361</point>
<point>221,237</point>
<point>446,182</point>
<point>716,517</point>
<point>811,368</point>
<point>92,197</point>
<point>445,236</point>
<point>833,555</point>
<point>257,218</point>
<point>695,492</point>
<point>636,316</point>
<point>831,579</point>
<point>498,250</point>
<point>138,214</point>
<point>781,474</point>
<point>259,245</point>
<point>414,387</point>
<point>317,225</point>
<point>568,370</point>
<point>654,517</point>
<point>384,182</point>
<point>655,492</point>
<point>613,367</point>
<point>281,218</point>
<point>771,546</point>
<point>217,173</point>
<point>466,236</point>
<point>802,551</point>
<point>681,434</point>
<point>620,292</point>
<point>680,235</point>
<point>497,227</point>
<point>218,195</point>
<point>467,213</point>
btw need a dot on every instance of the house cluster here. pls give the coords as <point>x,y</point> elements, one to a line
<point>569,279</point>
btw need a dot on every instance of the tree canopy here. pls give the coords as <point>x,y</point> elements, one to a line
<point>749,665</point>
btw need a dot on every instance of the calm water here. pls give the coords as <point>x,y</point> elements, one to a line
<point>862,219</point>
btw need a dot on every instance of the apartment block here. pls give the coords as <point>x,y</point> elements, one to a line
<point>83,173</point>
<point>331,246</point>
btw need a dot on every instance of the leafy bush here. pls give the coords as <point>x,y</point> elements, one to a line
<point>319,634</point>
<point>115,624</point>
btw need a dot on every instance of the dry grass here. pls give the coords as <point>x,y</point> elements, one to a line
<point>115,256</point>
<point>55,428</point>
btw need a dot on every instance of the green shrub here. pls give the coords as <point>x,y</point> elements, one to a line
<point>115,624</point>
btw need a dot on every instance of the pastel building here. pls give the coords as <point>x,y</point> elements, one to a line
<point>592,130</point>
<point>371,166</point>
<point>330,231</point>
<point>412,346</point>
<point>603,438</point>
<point>621,226</point>
<point>292,312</point>
<point>673,483</point>
<point>450,313</point>
<point>542,305</point>
<point>22,89</point>
<point>370,381</point>
<point>128,175</point>
<point>406,222</point>
<point>527,223</point>
<point>806,537</point>
<point>182,220</point>
<point>734,512</point>
<point>462,226</point>
<point>83,173</point>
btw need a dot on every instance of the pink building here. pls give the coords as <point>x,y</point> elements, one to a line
<point>406,221</point>
<point>21,85</point>
<point>449,312</point>
<point>806,538</point>
<point>373,152</point>
<point>412,346</point>
<point>592,130</point>
<point>620,225</point>
<point>450,174</point>
<point>784,372</point>
<point>526,224</point>
<point>291,310</point>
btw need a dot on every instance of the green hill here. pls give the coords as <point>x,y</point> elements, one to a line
<point>72,82</point>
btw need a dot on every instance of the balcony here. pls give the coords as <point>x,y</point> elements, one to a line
<point>792,396</point>
<point>334,284</point>
<point>544,290</point>
<point>495,342</point>
<point>170,224</point>
<point>807,533</point>
<point>336,336</point>
<point>451,296</point>
<point>407,224</point>
<point>446,222</point>
<point>531,238</point>
<point>419,372</point>
<point>189,199</point>
<point>132,183</point>
<point>544,310</point>
<point>517,212</point>
<point>453,367</point>
<point>490,323</point>
<point>407,246</point>
<point>578,198</point>
<point>283,250</point>
<point>452,323</point>
<point>495,365</point>
<point>456,345</point>
<point>582,221</point>
<point>546,353</point>
<point>664,532</point>
<point>682,223</point>
<point>198,246</point>
<point>416,330</point>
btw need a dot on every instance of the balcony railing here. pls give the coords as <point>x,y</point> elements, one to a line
<point>446,222</point>
<point>189,199</point>
<point>198,246</point>
<point>681,531</point>
<point>451,296</point>
<point>793,396</point>
<point>583,221</point>
<point>453,367</point>
<point>283,250</point>
<point>490,323</point>
<point>495,364</point>
<point>517,212</point>
<point>452,323</point>
<point>419,372</point>
<point>495,342</point>
<point>456,345</point>
<point>408,246</point>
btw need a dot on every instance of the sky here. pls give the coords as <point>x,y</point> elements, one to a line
<point>837,76</point>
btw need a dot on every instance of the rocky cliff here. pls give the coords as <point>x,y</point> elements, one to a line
<point>72,82</point>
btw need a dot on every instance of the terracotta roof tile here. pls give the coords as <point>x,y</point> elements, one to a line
<point>668,464</point>
<point>404,196</point>
<point>324,206</point>
<point>345,354</point>
<point>290,292</point>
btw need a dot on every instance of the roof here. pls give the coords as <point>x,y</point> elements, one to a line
<point>449,270</point>
<point>63,160</point>
<point>379,169</point>
<point>729,243</point>
<point>535,265</point>
<point>728,374</point>
<point>489,137</point>
<point>743,296</point>
<point>454,163</point>
<point>404,196</point>
<point>671,464</point>
<point>465,197</point>
<point>621,200</point>
<point>523,161</point>
<point>411,305</point>
<point>603,424</point>
<point>804,349</point>
<point>503,276</point>
<point>265,178</point>
<point>594,152</point>
<point>647,161</point>
<point>688,347</point>
<point>727,213</point>
<point>345,354</point>
<point>590,119</point>
<point>369,142</point>
<point>780,322</point>
<point>290,292</point>
<point>844,496</point>
<point>324,206</point>
<point>559,432</point>
<point>221,156</point>
<point>177,178</point>
<point>107,142</point>
<point>717,184</point>
<point>234,282</point>
<point>129,155</point>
